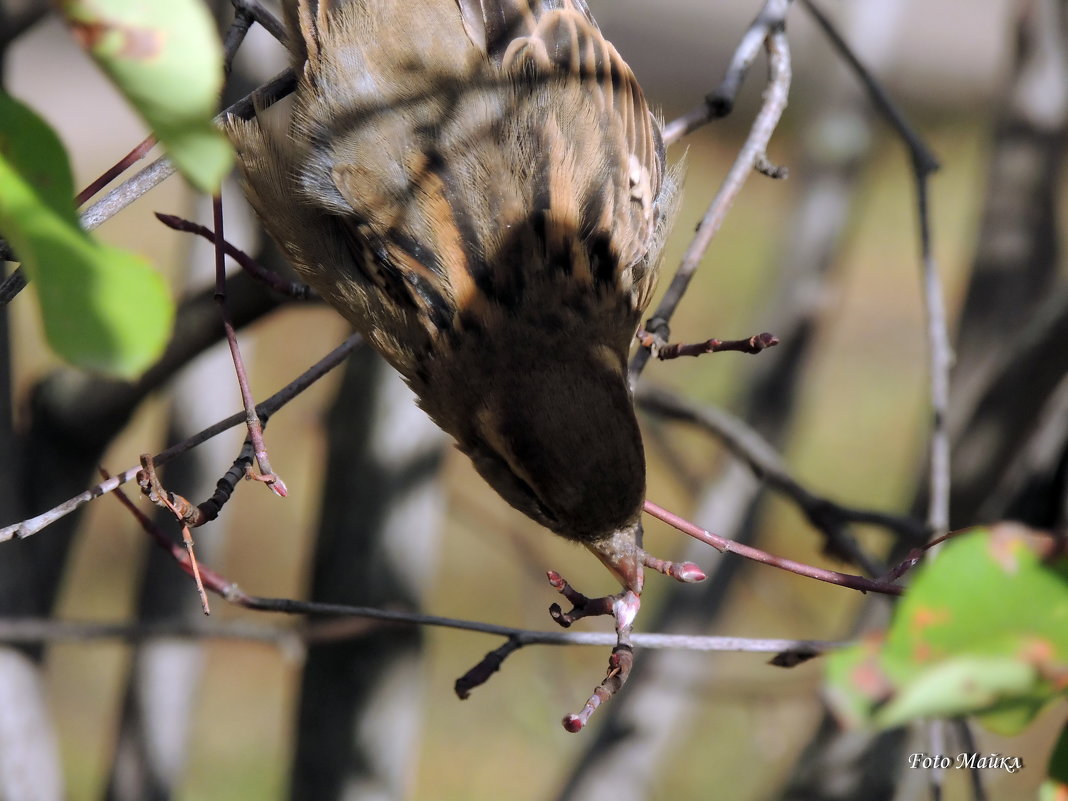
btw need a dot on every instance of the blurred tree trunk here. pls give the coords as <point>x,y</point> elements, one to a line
<point>361,697</point>
<point>1008,410</point>
<point>1010,352</point>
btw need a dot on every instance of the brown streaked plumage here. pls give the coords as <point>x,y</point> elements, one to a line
<point>479,187</point>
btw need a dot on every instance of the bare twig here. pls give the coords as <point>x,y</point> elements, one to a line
<point>252,420</point>
<point>217,583</point>
<point>258,13</point>
<point>752,345</point>
<point>187,542</point>
<point>159,170</point>
<point>188,513</point>
<point>724,545</point>
<point>235,36</point>
<point>747,444</point>
<point>271,279</point>
<point>622,654</point>
<point>116,169</point>
<point>720,102</point>
<point>775,97</point>
<point>882,101</point>
<point>50,630</point>
<point>31,526</point>
<point>940,353</point>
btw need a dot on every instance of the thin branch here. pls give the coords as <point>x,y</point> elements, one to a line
<point>269,278</point>
<point>252,421</point>
<point>258,13</point>
<point>187,542</point>
<point>749,446</point>
<point>664,352</point>
<point>940,362</point>
<point>775,98</point>
<point>724,545</point>
<point>188,513</point>
<point>623,652</point>
<point>116,169</point>
<point>882,101</point>
<point>220,585</point>
<point>158,171</point>
<point>720,102</point>
<point>235,37</point>
<point>50,630</point>
<point>940,353</point>
<point>31,526</point>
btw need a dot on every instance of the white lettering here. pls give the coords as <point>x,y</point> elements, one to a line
<point>974,761</point>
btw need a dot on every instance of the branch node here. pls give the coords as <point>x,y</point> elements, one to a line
<point>765,166</point>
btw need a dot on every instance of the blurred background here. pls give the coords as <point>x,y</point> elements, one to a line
<point>828,260</point>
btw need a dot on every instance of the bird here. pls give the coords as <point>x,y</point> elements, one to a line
<point>480,188</point>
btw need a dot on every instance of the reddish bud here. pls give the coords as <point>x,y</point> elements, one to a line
<point>688,572</point>
<point>573,723</point>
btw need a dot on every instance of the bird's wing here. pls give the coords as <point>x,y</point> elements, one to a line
<point>559,38</point>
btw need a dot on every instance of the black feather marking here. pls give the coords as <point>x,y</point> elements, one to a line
<point>438,309</point>
<point>475,259</point>
<point>603,259</point>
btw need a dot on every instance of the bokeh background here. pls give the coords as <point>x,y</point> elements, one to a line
<point>858,434</point>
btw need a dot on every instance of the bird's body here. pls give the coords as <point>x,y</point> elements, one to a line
<point>479,187</point>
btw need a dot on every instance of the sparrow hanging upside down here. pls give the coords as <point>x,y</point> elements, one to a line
<point>479,187</point>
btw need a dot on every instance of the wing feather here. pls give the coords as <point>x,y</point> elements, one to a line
<point>467,149</point>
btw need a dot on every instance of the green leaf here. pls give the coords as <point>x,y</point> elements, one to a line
<point>103,308</point>
<point>982,630</point>
<point>166,59</point>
